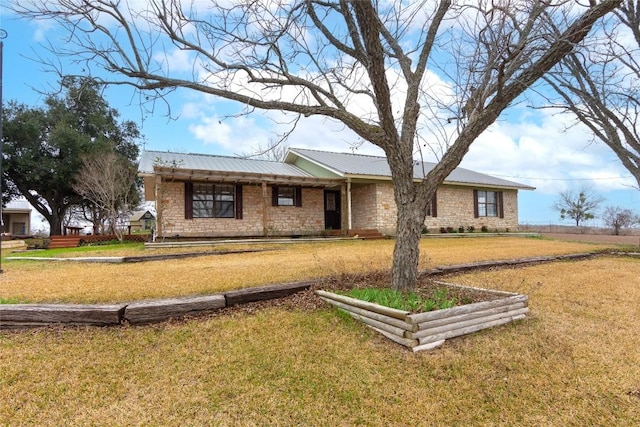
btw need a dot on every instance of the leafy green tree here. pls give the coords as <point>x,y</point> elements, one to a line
<point>580,206</point>
<point>43,146</point>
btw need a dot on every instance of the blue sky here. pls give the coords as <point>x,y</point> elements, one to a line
<point>532,147</point>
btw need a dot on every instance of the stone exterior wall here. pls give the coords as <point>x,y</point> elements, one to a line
<point>373,206</point>
<point>280,220</point>
<point>455,209</point>
<point>290,220</point>
<point>364,207</point>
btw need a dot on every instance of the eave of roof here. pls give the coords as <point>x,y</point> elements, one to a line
<point>241,177</point>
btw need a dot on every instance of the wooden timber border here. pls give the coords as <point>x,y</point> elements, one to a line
<point>14,316</point>
<point>425,331</point>
<point>130,259</point>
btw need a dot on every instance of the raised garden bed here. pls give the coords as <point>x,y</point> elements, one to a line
<point>425,331</point>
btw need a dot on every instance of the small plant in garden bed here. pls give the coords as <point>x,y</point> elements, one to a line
<point>408,301</point>
<point>428,288</point>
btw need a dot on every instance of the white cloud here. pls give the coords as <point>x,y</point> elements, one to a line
<point>542,152</point>
<point>231,135</point>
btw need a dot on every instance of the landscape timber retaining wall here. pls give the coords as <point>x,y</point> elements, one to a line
<point>15,316</point>
<point>38,315</point>
<point>425,331</point>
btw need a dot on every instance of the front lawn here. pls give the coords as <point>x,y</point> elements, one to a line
<point>573,362</point>
<point>34,281</point>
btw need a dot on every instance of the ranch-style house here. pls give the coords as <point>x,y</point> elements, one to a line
<point>309,193</point>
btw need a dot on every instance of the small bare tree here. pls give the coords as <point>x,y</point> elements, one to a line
<point>107,180</point>
<point>579,206</point>
<point>404,76</point>
<point>618,218</point>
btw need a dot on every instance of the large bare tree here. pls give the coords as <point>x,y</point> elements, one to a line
<point>405,76</point>
<point>600,84</point>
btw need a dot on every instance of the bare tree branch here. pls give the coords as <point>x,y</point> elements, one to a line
<point>600,84</point>
<point>395,73</point>
<point>106,179</point>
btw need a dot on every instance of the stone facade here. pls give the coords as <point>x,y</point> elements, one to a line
<point>307,219</point>
<point>455,209</point>
<point>373,206</point>
<point>258,216</point>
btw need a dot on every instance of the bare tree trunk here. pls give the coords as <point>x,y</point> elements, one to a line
<point>406,253</point>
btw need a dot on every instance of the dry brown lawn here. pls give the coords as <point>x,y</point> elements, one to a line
<point>34,281</point>
<point>574,362</point>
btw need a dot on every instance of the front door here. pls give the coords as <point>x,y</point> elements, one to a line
<point>332,219</point>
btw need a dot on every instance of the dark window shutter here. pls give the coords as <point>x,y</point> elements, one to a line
<point>500,205</point>
<point>476,214</point>
<point>188,200</point>
<point>434,205</point>
<point>299,196</point>
<point>238,201</point>
<point>274,195</point>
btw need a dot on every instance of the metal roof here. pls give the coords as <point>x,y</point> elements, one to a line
<point>137,215</point>
<point>207,162</point>
<point>18,205</point>
<point>360,165</point>
<point>341,164</point>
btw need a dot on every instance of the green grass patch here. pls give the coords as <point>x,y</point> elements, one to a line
<point>89,250</point>
<point>11,300</point>
<point>406,301</point>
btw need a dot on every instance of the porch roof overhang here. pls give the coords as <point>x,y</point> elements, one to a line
<point>236,177</point>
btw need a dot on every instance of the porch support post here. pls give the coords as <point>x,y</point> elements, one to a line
<point>159,208</point>
<point>349,223</point>
<point>265,207</point>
